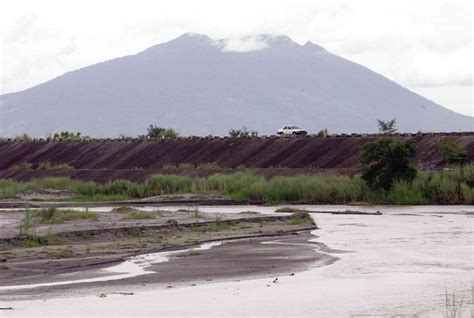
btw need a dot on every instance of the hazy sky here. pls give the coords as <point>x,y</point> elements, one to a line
<point>423,45</point>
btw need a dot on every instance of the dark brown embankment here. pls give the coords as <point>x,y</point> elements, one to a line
<point>103,160</point>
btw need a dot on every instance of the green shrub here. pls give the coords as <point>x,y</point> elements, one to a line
<point>170,133</point>
<point>386,161</point>
<point>450,153</point>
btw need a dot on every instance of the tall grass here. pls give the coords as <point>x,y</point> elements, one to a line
<point>10,188</point>
<point>439,187</point>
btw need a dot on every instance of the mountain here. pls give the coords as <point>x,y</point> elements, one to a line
<point>201,86</point>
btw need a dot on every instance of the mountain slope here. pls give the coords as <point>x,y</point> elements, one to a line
<point>198,87</point>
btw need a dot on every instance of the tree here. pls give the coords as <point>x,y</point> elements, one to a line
<point>234,133</point>
<point>155,132</point>
<point>387,127</point>
<point>23,137</point>
<point>243,133</point>
<point>450,153</point>
<point>323,133</point>
<point>386,161</point>
<point>170,133</point>
<point>68,135</point>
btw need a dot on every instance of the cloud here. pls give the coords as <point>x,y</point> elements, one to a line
<point>68,49</point>
<point>21,29</point>
<point>245,44</point>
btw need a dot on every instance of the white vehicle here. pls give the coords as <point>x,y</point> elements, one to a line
<point>291,130</point>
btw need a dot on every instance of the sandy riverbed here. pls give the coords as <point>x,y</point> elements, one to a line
<point>397,264</point>
<point>111,252</point>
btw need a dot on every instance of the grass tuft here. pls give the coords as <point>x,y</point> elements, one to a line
<point>51,215</point>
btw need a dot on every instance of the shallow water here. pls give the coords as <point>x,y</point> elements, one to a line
<point>399,263</point>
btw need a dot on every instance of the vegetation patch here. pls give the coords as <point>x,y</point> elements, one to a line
<point>52,166</point>
<point>219,225</point>
<point>243,133</point>
<point>46,240</point>
<point>208,166</point>
<point>52,215</point>
<point>295,221</point>
<point>133,231</point>
<point>26,223</point>
<point>70,136</point>
<point>450,153</point>
<point>155,132</point>
<point>64,253</point>
<point>454,186</point>
<point>21,166</point>
<point>301,217</point>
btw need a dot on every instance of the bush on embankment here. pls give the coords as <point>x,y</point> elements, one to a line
<point>429,187</point>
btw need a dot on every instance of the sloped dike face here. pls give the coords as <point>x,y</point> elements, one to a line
<point>106,159</point>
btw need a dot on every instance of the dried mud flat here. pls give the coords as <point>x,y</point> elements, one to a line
<point>75,257</point>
